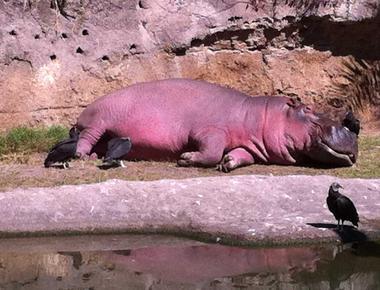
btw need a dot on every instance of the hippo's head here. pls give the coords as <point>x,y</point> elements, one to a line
<point>328,142</point>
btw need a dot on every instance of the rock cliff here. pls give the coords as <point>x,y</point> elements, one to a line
<point>57,56</point>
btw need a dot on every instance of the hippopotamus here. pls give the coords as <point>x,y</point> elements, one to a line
<point>202,124</point>
<point>202,263</point>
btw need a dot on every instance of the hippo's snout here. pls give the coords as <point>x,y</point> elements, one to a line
<point>340,145</point>
<point>335,145</point>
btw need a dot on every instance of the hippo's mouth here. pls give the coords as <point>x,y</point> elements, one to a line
<point>345,159</point>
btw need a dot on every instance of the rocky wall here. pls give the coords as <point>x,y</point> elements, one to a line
<point>57,56</point>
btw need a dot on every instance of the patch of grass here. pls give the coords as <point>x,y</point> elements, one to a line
<point>23,140</point>
<point>368,164</point>
<point>25,169</point>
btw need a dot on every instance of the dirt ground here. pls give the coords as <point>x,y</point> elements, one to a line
<point>28,171</point>
<point>34,174</point>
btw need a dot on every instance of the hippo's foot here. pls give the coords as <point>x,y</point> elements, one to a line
<point>236,158</point>
<point>85,157</point>
<point>198,159</point>
<point>187,159</point>
<point>228,163</point>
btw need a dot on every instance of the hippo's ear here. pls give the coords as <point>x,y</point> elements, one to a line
<point>294,102</point>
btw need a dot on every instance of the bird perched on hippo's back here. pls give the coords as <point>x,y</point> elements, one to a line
<point>341,206</point>
<point>351,122</point>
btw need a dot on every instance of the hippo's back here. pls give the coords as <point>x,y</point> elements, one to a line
<point>174,100</point>
<point>162,115</point>
<point>177,91</point>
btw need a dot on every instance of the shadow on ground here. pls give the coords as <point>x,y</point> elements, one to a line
<point>347,234</point>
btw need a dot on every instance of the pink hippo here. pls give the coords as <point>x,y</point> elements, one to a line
<point>201,263</point>
<point>208,125</point>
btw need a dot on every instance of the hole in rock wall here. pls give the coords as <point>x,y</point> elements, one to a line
<point>37,36</point>
<point>85,32</point>
<point>79,50</point>
<point>13,32</point>
<point>196,42</point>
<point>105,58</point>
<point>235,18</point>
<point>179,51</point>
<point>141,5</point>
<point>64,35</point>
<point>53,57</point>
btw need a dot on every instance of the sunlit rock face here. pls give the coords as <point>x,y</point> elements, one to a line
<point>55,59</point>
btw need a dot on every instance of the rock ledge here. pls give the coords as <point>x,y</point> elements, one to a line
<point>239,210</point>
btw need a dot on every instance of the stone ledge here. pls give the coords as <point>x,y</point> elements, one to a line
<point>239,210</point>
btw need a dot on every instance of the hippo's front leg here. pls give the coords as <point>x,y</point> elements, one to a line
<point>235,158</point>
<point>87,139</point>
<point>212,143</point>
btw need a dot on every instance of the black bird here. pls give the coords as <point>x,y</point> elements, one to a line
<point>64,150</point>
<point>116,149</point>
<point>351,123</point>
<point>341,206</point>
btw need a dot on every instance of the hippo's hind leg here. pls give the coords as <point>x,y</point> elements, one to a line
<point>235,158</point>
<point>212,143</point>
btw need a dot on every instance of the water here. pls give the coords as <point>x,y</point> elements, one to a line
<point>155,262</point>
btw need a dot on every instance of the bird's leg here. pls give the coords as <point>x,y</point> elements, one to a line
<point>338,225</point>
<point>122,164</point>
<point>66,165</point>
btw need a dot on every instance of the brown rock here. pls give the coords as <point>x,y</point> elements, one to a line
<point>55,60</point>
<point>243,210</point>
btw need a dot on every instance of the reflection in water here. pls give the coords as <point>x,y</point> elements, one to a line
<point>199,266</point>
<point>204,263</point>
<point>354,266</point>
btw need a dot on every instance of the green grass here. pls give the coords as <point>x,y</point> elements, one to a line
<point>27,140</point>
<point>27,148</point>
<point>368,164</point>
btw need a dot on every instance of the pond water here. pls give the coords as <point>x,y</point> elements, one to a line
<point>157,262</point>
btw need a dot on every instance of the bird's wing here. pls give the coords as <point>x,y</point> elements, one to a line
<point>332,205</point>
<point>63,142</point>
<point>117,148</point>
<point>346,207</point>
<point>351,123</point>
<point>61,152</point>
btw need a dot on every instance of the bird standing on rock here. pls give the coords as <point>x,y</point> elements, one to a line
<point>341,206</point>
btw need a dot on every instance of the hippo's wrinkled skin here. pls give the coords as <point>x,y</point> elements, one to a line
<point>203,124</point>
